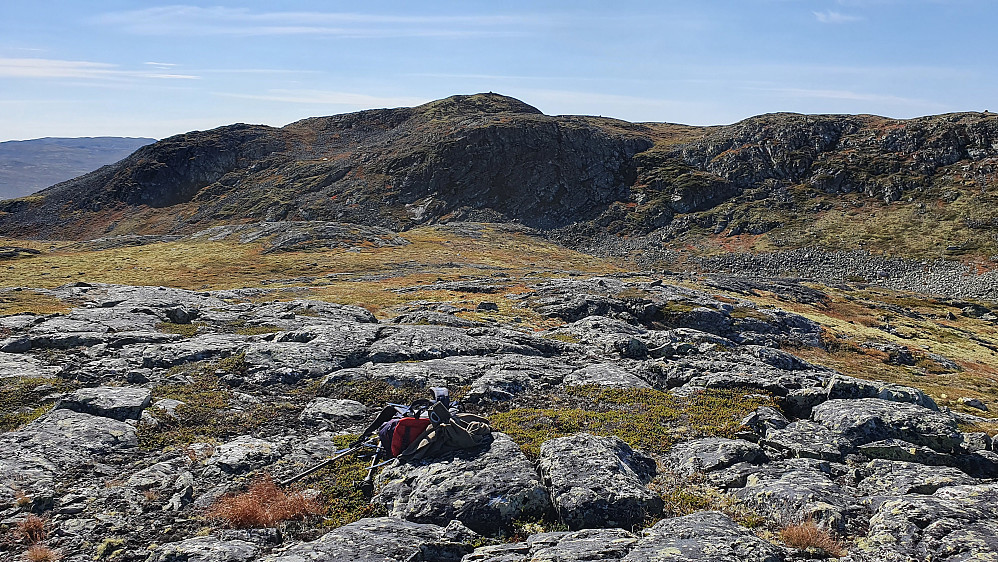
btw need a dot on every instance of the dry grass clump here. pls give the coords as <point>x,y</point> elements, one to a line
<point>31,530</point>
<point>808,535</point>
<point>264,504</point>
<point>40,553</point>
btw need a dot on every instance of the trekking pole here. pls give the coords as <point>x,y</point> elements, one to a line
<point>367,485</point>
<point>323,464</point>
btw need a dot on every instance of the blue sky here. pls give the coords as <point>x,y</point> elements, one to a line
<point>129,68</point>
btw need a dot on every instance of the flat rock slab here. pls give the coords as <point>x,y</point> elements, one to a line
<point>120,403</point>
<point>955,524</point>
<point>702,537</point>
<point>713,453</point>
<point>899,450</point>
<point>243,454</point>
<point>897,478</point>
<point>383,539</point>
<point>486,489</point>
<point>607,375</point>
<point>579,546</point>
<point>333,412</point>
<point>872,419</point>
<point>598,481</point>
<point>205,549</point>
<point>806,439</point>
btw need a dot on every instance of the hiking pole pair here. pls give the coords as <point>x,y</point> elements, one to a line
<point>336,456</point>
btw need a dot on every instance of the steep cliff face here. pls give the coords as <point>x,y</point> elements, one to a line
<point>493,158</point>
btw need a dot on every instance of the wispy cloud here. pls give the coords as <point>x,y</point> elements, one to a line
<point>848,95</point>
<point>54,68</point>
<point>195,20</point>
<point>325,97</point>
<point>830,16</point>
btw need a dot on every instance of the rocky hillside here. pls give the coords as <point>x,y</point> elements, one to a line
<point>924,187</point>
<point>30,165</point>
<point>654,422</point>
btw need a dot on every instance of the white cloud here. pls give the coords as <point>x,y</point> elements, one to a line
<point>326,97</point>
<point>848,95</point>
<point>835,17</point>
<point>54,68</point>
<point>194,20</point>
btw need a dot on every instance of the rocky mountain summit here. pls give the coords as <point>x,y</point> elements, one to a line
<point>651,421</point>
<point>923,187</point>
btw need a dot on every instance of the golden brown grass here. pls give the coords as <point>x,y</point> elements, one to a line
<point>808,535</point>
<point>18,302</point>
<point>31,530</point>
<point>263,504</point>
<point>41,553</point>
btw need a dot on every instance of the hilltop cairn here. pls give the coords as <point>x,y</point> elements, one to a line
<point>879,463</point>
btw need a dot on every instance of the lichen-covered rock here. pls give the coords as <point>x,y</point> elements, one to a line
<point>486,489</point>
<point>901,478</point>
<point>761,421</point>
<point>332,412</point>
<point>607,375</point>
<point>242,454</point>
<point>872,419</point>
<point>955,524</point>
<point>806,439</point>
<point>120,403</point>
<point>713,453</point>
<point>841,386</point>
<point>783,492</point>
<point>384,539</point>
<point>598,481</point>
<point>899,450</point>
<point>702,537</point>
<point>577,546</point>
<point>205,549</point>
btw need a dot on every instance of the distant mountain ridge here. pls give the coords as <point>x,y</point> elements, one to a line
<point>27,166</point>
<point>923,187</point>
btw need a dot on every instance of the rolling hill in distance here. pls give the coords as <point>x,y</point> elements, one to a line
<point>923,188</point>
<point>29,165</point>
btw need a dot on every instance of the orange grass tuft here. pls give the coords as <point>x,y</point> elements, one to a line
<point>808,535</point>
<point>264,504</point>
<point>32,529</point>
<point>40,553</point>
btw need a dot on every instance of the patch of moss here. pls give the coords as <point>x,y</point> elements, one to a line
<point>345,502</point>
<point>186,330</point>
<point>647,419</point>
<point>18,301</point>
<point>207,413</point>
<point>23,399</point>
<point>567,338</point>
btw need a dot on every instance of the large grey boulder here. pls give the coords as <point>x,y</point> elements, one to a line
<point>598,481</point>
<point>333,412</point>
<point>900,478</point>
<point>205,549</point>
<point>784,491</point>
<point>577,546</point>
<point>384,539</point>
<point>955,524</point>
<point>872,419</point>
<point>841,386</point>
<point>486,489</point>
<point>242,454</point>
<point>309,352</point>
<point>611,375</point>
<point>120,403</point>
<point>713,453</point>
<point>407,343</point>
<point>702,537</point>
<point>806,439</point>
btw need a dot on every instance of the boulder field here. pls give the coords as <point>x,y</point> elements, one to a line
<point>105,464</point>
